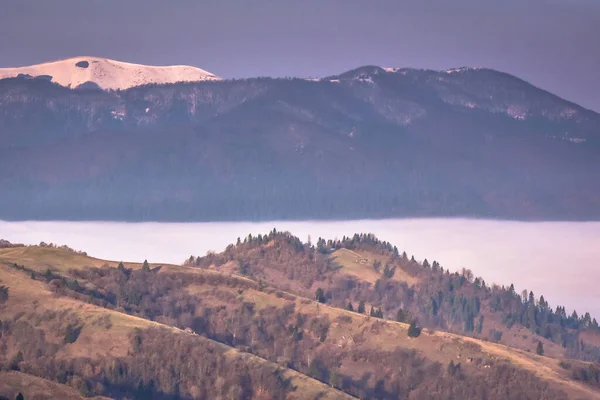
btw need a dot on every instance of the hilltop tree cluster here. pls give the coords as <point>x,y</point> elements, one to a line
<point>441,299</point>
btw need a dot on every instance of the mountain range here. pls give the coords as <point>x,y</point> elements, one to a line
<point>368,143</point>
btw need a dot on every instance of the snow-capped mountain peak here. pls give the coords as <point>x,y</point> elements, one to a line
<point>108,74</point>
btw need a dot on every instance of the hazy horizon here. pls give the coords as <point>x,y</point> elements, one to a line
<point>550,258</point>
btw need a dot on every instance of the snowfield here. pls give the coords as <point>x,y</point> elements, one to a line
<point>108,74</point>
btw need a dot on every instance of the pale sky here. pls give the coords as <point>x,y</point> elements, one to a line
<point>550,43</point>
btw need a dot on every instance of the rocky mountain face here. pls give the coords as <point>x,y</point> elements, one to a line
<point>371,142</point>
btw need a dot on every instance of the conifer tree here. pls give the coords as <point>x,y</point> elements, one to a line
<point>401,316</point>
<point>540,349</point>
<point>361,307</point>
<point>413,330</point>
<point>480,324</point>
<point>320,295</point>
<point>386,270</point>
<point>451,367</point>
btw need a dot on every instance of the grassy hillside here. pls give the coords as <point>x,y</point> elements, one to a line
<point>32,387</point>
<point>254,322</point>
<point>359,265</point>
<point>36,323</point>
<point>59,259</point>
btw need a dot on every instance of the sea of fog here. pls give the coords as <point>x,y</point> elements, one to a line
<point>560,260</point>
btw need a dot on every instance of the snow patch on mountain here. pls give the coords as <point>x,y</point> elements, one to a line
<point>108,74</point>
<point>366,79</point>
<point>517,112</point>
<point>461,69</point>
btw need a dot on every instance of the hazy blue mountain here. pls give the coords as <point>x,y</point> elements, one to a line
<point>370,142</point>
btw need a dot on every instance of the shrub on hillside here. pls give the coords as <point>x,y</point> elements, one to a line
<point>414,330</point>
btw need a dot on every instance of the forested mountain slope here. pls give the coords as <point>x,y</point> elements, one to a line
<point>371,142</point>
<point>99,350</point>
<point>393,285</point>
<point>220,324</point>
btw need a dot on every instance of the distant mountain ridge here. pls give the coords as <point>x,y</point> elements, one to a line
<point>104,73</point>
<point>368,143</point>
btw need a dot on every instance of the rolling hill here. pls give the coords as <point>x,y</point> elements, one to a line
<point>368,143</point>
<point>67,340</point>
<point>100,328</point>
